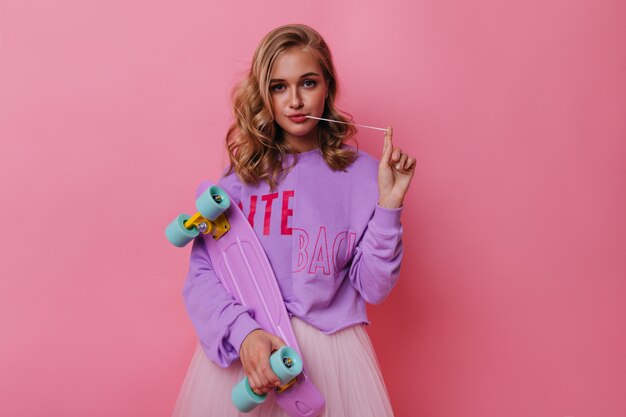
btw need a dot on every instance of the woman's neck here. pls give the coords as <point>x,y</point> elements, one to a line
<point>303,143</point>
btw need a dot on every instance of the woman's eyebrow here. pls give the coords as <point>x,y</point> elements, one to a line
<point>308,74</point>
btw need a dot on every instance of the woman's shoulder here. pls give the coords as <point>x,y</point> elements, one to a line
<point>229,181</point>
<point>362,177</point>
<point>364,161</point>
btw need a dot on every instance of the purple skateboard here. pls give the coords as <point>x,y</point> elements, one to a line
<point>244,270</point>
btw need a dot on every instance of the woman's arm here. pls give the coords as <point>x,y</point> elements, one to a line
<point>376,265</point>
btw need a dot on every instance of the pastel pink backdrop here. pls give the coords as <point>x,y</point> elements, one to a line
<point>511,298</point>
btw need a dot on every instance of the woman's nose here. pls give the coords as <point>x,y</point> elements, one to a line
<point>295,99</point>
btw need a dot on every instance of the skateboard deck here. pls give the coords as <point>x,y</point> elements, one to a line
<point>244,270</point>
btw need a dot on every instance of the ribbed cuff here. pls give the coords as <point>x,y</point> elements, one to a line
<point>386,218</point>
<point>240,328</point>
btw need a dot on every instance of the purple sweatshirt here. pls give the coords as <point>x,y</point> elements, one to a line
<point>332,248</point>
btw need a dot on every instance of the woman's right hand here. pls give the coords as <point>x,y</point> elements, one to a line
<point>255,353</point>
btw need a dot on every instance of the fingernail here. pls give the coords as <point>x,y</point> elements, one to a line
<point>397,166</point>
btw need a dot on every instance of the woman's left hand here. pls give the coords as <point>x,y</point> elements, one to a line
<point>395,172</point>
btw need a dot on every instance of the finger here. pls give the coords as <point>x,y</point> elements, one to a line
<point>271,380</point>
<point>256,378</point>
<point>277,343</point>
<point>387,145</point>
<point>263,385</point>
<point>255,385</point>
<point>395,156</point>
<point>402,162</point>
<point>411,163</point>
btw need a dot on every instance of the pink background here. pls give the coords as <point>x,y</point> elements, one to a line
<point>511,299</point>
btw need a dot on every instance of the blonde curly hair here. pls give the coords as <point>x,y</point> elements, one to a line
<point>254,141</point>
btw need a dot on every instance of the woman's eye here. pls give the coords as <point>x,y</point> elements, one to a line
<point>273,88</point>
<point>312,83</point>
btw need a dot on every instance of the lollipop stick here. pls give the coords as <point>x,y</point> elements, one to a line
<point>346,123</point>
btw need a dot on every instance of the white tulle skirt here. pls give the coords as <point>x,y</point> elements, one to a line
<point>343,366</point>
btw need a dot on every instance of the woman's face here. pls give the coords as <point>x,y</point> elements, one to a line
<point>297,87</point>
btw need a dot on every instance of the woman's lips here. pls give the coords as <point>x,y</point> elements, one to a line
<point>298,119</point>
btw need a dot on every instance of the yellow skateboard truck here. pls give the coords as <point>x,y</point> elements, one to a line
<point>216,227</point>
<point>209,219</point>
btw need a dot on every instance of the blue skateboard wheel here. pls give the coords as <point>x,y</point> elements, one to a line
<point>286,364</point>
<point>178,234</point>
<point>244,398</point>
<point>212,202</point>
